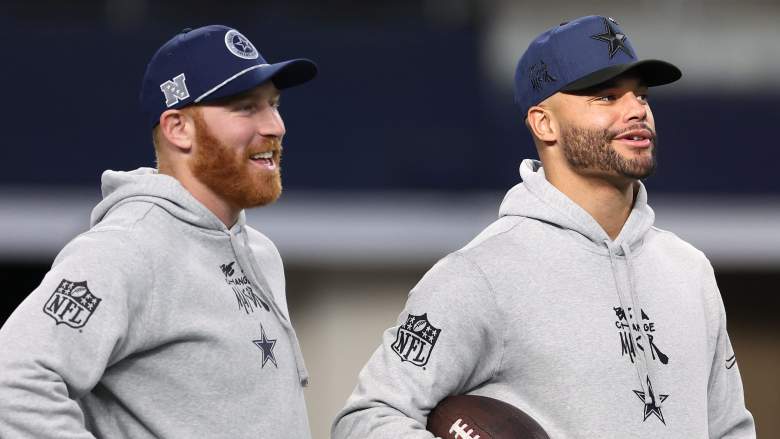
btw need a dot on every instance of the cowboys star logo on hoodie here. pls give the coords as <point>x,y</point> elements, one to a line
<point>415,339</point>
<point>71,303</point>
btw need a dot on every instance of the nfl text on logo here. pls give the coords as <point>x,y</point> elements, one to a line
<point>415,340</point>
<point>71,303</point>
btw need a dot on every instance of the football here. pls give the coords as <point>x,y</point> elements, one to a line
<point>480,417</point>
<point>78,291</point>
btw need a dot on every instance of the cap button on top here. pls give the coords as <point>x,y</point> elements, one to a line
<point>185,30</point>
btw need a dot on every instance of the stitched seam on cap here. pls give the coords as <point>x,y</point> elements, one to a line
<point>223,83</point>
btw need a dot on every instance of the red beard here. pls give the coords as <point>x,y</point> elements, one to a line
<point>229,173</point>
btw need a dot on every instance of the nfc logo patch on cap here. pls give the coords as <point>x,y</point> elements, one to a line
<point>239,45</point>
<point>175,90</point>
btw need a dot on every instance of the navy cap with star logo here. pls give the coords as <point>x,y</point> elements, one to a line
<point>580,54</point>
<point>209,63</point>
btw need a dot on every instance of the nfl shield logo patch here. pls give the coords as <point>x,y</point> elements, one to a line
<point>72,304</point>
<point>415,339</point>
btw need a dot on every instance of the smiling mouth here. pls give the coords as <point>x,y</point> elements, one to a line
<point>638,142</point>
<point>264,159</point>
<point>637,138</point>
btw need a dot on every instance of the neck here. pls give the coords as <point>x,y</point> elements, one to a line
<point>608,201</point>
<point>217,205</point>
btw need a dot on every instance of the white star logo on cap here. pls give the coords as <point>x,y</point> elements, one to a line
<point>240,45</point>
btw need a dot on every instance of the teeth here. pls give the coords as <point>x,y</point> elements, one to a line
<point>262,155</point>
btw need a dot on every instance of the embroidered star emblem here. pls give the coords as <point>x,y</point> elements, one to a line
<point>615,40</point>
<point>650,408</point>
<point>267,346</point>
<point>243,43</point>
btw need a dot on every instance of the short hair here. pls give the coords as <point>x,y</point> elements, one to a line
<point>156,143</point>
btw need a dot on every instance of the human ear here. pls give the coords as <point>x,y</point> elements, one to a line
<point>542,124</point>
<point>177,128</point>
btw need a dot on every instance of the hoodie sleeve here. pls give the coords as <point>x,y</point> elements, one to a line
<point>448,340</point>
<point>728,416</point>
<point>56,345</point>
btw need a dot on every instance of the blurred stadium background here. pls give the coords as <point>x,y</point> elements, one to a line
<point>402,149</point>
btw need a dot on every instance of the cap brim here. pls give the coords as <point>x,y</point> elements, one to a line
<point>283,74</point>
<point>653,72</point>
<point>294,72</point>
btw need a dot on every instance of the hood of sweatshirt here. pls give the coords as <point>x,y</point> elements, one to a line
<point>146,184</point>
<point>536,198</point>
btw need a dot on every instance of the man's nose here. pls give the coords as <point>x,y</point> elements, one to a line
<point>271,124</point>
<point>637,107</point>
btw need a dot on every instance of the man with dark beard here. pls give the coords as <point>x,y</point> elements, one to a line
<point>571,306</point>
<point>168,318</point>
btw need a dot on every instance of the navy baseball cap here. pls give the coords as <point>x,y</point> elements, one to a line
<point>580,54</point>
<point>208,63</point>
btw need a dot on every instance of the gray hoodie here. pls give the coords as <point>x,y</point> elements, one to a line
<point>158,322</point>
<point>590,336</point>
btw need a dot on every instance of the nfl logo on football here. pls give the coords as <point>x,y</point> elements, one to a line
<point>415,339</point>
<point>72,304</point>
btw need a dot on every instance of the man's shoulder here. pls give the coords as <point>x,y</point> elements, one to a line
<point>129,232</point>
<point>482,250</point>
<point>493,234</point>
<point>104,257</point>
<point>101,244</point>
<point>258,236</point>
<point>674,242</point>
<point>259,241</point>
<point>143,223</point>
<point>676,250</point>
<point>262,246</point>
<point>504,236</point>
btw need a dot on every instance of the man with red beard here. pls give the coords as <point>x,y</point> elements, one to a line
<point>168,318</point>
<point>571,306</point>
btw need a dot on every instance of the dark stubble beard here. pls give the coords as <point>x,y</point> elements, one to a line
<point>227,171</point>
<point>587,149</point>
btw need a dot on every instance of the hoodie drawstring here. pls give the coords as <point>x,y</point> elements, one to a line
<point>638,318</point>
<point>634,321</point>
<point>248,263</point>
